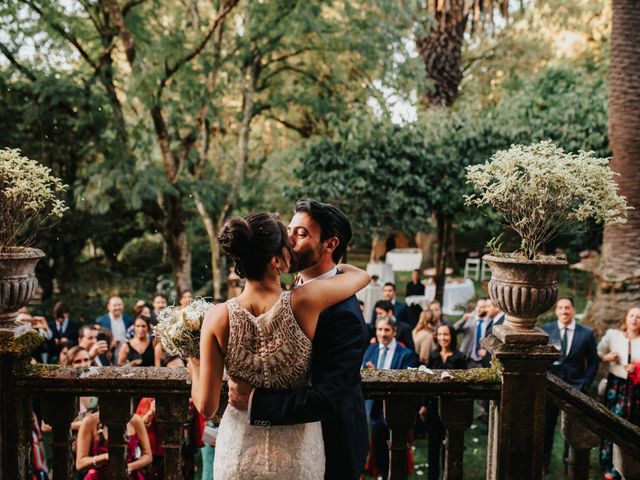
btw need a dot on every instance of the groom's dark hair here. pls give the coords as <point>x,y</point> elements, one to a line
<point>333,223</point>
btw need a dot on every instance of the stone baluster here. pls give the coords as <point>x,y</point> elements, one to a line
<point>115,413</point>
<point>59,411</point>
<point>456,415</point>
<point>16,417</point>
<point>172,413</point>
<point>516,433</point>
<point>400,415</point>
<point>581,441</point>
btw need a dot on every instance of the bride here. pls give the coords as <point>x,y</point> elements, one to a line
<point>264,336</point>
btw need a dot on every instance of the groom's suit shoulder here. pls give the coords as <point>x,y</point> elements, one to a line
<point>350,306</point>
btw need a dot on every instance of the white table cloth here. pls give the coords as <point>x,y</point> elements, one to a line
<point>383,271</point>
<point>369,295</point>
<point>404,259</point>
<point>456,295</point>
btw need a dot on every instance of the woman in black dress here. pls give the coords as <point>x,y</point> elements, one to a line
<point>139,350</point>
<point>445,357</point>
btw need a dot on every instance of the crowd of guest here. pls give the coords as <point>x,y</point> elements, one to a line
<point>114,338</point>
<point>400,338</point>
<point>398,343</point>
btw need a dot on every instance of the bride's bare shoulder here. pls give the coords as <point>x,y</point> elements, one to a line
<point>217,316</point>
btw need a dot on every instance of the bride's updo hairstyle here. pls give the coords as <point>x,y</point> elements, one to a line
<point>252,242</point>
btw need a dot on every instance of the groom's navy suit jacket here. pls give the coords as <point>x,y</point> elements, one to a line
<point>579,367</point>
<point>334,396</point>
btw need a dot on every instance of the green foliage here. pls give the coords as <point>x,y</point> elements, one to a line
<point>552,107</point>
<point>392,176</point>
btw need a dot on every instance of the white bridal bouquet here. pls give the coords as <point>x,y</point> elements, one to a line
<point>179,329</point>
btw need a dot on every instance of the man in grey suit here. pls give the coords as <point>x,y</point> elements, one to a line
<point>473,327</point>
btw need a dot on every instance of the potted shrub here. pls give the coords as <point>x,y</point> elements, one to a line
<point>28,201</point>
<point>538,190</point>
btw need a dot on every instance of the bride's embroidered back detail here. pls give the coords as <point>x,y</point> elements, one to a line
<point>270,350</point>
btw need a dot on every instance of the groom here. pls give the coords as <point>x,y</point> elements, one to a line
<point>319,234</point>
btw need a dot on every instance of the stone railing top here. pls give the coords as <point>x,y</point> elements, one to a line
<point>473,383</point>
<point>104,380</point>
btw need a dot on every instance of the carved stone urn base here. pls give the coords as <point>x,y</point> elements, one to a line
<point>17,284</point>
<point>523,289</point>
<point>508,334</point>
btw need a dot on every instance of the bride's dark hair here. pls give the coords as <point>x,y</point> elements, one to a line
<point>252,242</point>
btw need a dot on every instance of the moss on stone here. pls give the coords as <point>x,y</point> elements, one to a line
<point>22,345</point>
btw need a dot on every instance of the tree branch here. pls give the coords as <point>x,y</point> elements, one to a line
<point>171,70</point>
<point>24,70</point>
<point>265,80</point>
<point>125,34</point>
<point>62,31</point>
<point>129,5</point>
<point>305,131</point>
<point>286,56</point>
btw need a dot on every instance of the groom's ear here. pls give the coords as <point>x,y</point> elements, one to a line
<point>332,244</point>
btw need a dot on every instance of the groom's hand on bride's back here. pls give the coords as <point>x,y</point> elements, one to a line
<point>239,393</point>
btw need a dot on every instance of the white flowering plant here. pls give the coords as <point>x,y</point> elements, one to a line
<point>28,199</point>
<point>179,329</point>
<point>539,190</point>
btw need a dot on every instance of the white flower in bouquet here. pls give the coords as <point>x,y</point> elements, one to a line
<point>192,320</point>
<point>179,330</point>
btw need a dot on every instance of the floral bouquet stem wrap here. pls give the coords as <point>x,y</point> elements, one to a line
<point>179,329</point>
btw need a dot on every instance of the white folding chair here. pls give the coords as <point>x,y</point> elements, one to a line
<point>472,268</point>
<point>485,271</point>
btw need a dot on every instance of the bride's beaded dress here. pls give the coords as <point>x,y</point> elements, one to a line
<point>268,351</point>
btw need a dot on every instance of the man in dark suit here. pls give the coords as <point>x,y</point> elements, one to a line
<point>577,366</point>
<point>319,235</point>
<point>400,311</point>
<point>62,329</point>
<point>386,354</point>
<point>384,308</point>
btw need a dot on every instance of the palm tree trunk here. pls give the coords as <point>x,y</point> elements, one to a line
<point>619,276</point>
<point>441,52</point>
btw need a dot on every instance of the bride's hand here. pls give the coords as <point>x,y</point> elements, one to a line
<point>239,393</point>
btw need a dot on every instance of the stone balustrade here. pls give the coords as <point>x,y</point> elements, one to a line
<point>516,387</point>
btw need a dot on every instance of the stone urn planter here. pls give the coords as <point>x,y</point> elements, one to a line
<point>17,284</point>
<point>523,289</point>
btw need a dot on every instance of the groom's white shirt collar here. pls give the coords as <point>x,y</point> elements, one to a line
<point>332,271</point>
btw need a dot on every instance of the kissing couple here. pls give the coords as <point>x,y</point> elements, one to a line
<point>296,409</point>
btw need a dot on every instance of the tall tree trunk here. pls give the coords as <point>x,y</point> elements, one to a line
<point>175,235</point>
<point>619,276</point>
<point>444,234</point>
<point>212,234</point>
<point>441,52</point>
<point>250,74</point>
